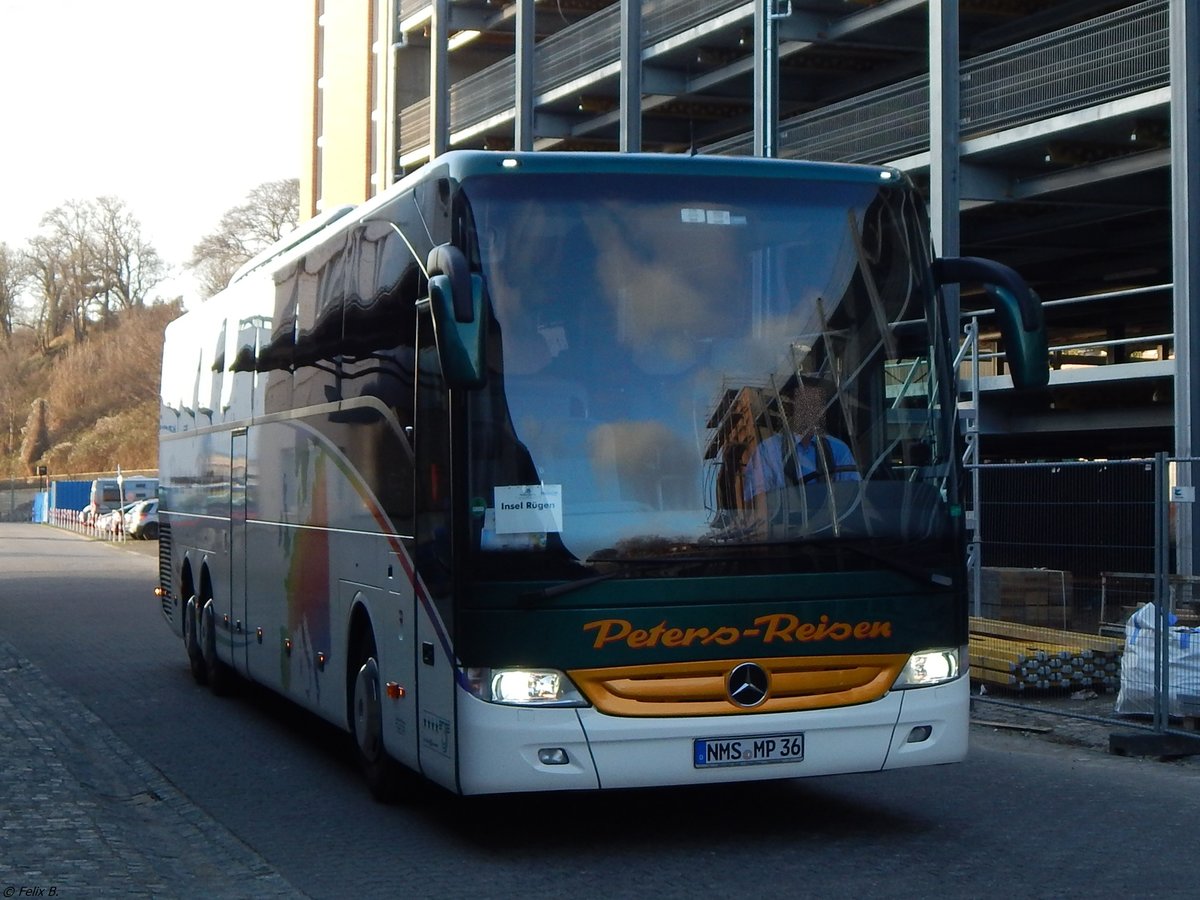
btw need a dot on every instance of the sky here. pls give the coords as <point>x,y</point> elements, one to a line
<point>178,108</point>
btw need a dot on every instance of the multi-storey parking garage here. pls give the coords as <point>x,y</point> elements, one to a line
<point>1052,145</point>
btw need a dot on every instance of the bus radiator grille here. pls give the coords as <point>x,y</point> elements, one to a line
<point>701,688</point>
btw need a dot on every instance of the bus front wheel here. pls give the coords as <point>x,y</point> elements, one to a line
<point>384,776</point>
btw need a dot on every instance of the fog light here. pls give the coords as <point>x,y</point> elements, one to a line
<point>920,733</point>
<point>553,756</point>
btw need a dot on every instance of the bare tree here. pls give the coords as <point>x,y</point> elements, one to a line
<point>271,210</point>
<point>12,399</point>
<point>90,259</point>
<point>14,273</point>
<point>130,265</point>
<point>68,256</point>
<point>50,314</point>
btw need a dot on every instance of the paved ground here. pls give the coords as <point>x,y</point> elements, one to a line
<point>82,815</point>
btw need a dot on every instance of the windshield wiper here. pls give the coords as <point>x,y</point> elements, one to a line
<point>565,587</point>
<point>903,566</point>
<point>622,566</point>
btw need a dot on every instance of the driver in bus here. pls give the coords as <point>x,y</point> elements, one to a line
<point>813,454</point>
<point>528,296</point>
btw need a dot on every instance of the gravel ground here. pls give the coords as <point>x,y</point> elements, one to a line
<point>1083,719</point>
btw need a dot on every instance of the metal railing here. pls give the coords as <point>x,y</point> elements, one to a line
<point>586,46</point>
<point>1112,56</point>
<point>1110,349</point>
<point>589,44</point>
<point>409,7</point>
<point>477,97</point>
<point>73,520</point>
<point>414,126</point>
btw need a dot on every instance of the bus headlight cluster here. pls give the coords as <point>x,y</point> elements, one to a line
<point>929,667</point>
<point>524,687</point>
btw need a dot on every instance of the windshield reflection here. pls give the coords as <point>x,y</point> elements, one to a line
<point>685,364</point>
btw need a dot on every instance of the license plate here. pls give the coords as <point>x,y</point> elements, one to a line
<point>756,750</point>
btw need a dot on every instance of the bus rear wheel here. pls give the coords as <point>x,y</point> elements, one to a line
<point>385,777</point>
<point>192,642</point>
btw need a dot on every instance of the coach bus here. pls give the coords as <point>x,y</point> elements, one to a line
<point>557,471</point>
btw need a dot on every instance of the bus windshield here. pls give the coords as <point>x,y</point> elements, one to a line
<point>691,369</point>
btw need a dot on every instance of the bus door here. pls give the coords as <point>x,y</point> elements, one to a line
<point>237,549</point>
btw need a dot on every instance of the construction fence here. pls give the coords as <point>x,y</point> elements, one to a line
<point>17,498</point>
<point>1086,583</point>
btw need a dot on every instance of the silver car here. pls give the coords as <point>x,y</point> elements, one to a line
<point>141,521</point>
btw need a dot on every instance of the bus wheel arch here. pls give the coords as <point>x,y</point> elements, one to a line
<point>385,777</point>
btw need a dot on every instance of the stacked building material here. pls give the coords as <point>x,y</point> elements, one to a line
<point>1031,596</point>
<point>1028,657</point>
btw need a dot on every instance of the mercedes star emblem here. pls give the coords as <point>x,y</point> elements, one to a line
<point>748,684</point>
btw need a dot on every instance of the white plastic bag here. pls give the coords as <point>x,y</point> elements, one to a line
<point>1136,696</point>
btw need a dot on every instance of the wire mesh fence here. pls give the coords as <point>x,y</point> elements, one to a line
<point>1087,587</point>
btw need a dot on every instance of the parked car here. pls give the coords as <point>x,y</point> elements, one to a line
<point>142,520</point>
<point>112,521</point>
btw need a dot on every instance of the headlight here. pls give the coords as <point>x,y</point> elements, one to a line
<point>524,687</point>
<point>927,667</point>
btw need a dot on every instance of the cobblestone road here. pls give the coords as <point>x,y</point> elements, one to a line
<point>83,815</point>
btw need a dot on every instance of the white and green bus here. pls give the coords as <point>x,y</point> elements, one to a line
<point>515,472</point>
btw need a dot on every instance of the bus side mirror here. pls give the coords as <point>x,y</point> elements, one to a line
<point>456,306</point>
<point>448,260</point>
<point>1018,308</point>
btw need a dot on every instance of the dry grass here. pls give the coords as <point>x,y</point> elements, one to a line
<point>102,394</point>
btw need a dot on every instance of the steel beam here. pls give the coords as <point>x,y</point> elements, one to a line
<point>631,76</point>
<point>439,79</point>
<point>1185,222</point>
<point>766,79</point>
<point>523,123</point>
<point>944,174</point>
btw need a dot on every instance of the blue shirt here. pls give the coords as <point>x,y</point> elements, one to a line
<point>766,469</point>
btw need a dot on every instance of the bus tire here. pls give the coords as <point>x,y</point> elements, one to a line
<point>218,675</point>
<point>385,777</point>
<point>192,643</point>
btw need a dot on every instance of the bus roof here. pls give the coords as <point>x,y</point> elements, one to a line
<point>462,164</point>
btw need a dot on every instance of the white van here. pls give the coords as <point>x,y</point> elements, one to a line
<point>107,492</point>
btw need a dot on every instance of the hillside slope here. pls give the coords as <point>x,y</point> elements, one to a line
<point>101,396</point>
